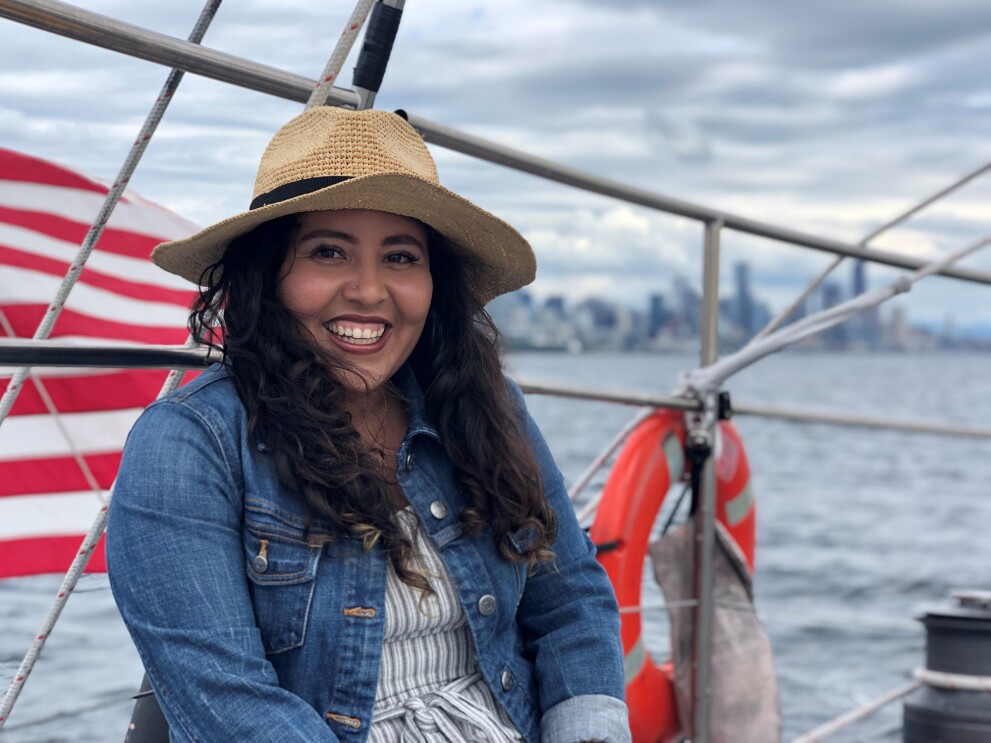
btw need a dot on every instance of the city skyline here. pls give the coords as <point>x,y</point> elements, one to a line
<point>671,321</point>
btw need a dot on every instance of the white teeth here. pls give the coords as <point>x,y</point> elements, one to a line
<point>358,336</point>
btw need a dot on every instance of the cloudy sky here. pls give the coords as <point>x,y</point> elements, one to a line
<point>828,117</point>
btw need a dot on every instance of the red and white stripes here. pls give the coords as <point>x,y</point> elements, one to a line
<point>48,497</point>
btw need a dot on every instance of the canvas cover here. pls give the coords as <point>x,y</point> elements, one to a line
<point>744,687</point>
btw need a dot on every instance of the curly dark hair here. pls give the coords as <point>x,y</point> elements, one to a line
<point>295,403</point>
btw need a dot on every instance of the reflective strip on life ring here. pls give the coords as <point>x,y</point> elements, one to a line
<point>650,462</point>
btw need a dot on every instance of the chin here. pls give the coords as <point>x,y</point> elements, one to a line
<point>361,381</point>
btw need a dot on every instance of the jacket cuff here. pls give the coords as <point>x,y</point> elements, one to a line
<point>595,717</point>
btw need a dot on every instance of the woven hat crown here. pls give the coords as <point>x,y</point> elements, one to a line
<point>329,158</point>
<point>330,142</point>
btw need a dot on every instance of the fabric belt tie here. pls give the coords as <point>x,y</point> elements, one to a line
<point>436,711</point>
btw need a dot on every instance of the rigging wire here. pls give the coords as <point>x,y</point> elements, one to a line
<point>6,403</point>
<point>341,50</point>
<point>891,223</point>
<point>175,376</point>
<point>106,210</point>
<point>586,477</point>
<point>49,404</point>
<point>848,718</point>
<point>709,378</point>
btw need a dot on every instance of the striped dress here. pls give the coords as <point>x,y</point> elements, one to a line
<point>430,689</point>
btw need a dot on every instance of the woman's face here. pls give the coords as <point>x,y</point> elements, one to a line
<point>360,282</point>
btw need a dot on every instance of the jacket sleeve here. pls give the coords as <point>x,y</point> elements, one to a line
<point>570,622</point>
<point>176,565</point>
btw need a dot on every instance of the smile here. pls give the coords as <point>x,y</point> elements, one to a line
<point>358,334</point>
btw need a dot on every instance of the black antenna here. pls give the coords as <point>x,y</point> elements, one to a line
<point>383,24</point>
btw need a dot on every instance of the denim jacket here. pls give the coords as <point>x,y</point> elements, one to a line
<point>251,631</point>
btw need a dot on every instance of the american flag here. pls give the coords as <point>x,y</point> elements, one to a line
<point>55,469</point>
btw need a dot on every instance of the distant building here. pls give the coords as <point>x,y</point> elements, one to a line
<point>836,336</point>
<point>859,278</point>
<point>657,315</point>
<point>863,330</point>
<point>689,307</point>
<point>555,304</point>
<point>898,335</point>
<point>513,315</point>
<point>743,307</point>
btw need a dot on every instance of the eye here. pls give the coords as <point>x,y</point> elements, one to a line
<point>326,251</point>
<point>402,257</point>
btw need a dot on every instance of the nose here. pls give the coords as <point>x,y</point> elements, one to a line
<point>365,285</point>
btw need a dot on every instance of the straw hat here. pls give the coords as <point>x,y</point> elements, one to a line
<point>332,158</point>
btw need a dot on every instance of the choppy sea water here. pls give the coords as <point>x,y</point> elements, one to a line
<point>857,530</point>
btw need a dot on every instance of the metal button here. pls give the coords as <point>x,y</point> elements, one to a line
<point>409,461</point>
<point>507,680</point>
<point>438,510</point>
<point>486,604</point>
<point>260,564</point>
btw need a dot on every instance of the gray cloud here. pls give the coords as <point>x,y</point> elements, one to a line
<point>831,34</point>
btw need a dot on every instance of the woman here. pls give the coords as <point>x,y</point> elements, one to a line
<point>351,529</point>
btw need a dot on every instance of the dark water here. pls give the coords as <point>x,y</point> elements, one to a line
<point>857,530</point>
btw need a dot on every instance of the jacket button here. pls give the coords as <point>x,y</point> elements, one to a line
<point>507,680</point>
<point>486,604</point>
<point>438,510</point>
<point>409,461</point>
<point>260,564</point>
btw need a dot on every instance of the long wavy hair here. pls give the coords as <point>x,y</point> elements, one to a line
<point>295,403</point>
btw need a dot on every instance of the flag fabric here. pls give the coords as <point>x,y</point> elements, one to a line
<point>55,469</point>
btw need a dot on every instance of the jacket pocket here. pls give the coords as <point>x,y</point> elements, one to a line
<point>281,569</point>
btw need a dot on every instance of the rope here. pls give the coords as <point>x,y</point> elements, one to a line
<point>834,620</point>
<point>958,681</point>
<point>710,378</point>
<point>96,530</point>
<point>575,490</point>
<point>49,404</point>
<point>109,204</point>
<point>852,716</point>
<point>814,284</point>
<point>319,95</point>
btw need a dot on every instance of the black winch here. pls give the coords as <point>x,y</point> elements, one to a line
<point>954,703</point>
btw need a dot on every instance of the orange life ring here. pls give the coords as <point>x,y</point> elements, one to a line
<point>651,460</point>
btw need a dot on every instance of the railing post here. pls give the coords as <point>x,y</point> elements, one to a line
<point>710,292</point>
<point>703,435</point>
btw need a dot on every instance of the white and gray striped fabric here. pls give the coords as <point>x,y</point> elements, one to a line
<point>430,689</point>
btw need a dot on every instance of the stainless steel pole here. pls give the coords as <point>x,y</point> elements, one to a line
<point>483,149</point>
<point>99,30</point>
<point>702,434</point>
<point>710,292</point>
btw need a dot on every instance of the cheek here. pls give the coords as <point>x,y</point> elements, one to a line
<point>416,298</point>
<point>297,294</point>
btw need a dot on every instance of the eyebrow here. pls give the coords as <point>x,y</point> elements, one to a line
<point>400,239</point>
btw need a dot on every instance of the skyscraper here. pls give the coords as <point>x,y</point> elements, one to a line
<point>744,300</point>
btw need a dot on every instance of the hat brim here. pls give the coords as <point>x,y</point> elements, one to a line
<point>498,259</point>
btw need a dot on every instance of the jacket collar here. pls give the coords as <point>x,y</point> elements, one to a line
<point>407,383</point>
